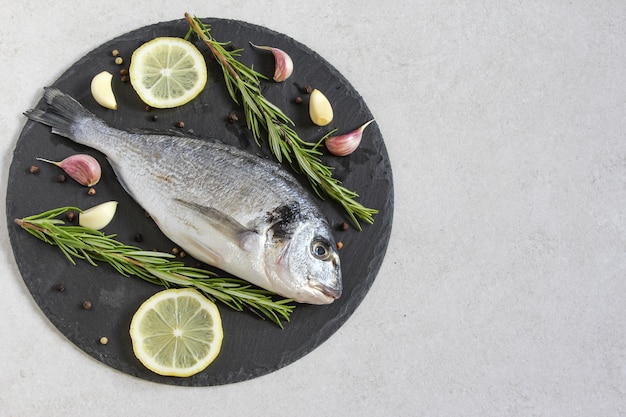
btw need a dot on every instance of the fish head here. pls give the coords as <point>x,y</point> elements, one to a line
<point>307,266</point>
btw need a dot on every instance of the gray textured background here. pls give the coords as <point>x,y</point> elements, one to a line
<point>502,292</point>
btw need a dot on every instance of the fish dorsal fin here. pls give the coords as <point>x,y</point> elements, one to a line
<point>158,132</point>
<point>225,224</point>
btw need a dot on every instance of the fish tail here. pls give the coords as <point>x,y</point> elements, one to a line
<point>63,113</point>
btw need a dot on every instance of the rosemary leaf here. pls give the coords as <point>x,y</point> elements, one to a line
<point>77,242</point>
<point>243,83</point>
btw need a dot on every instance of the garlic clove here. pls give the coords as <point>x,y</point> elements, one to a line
<point>102,90</point>
<point>82,168</point>
<point>320,110</point>
<point>284,64</point>
<point>343,145</point>
<point>98,217</point>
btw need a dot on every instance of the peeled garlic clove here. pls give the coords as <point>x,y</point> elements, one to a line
<point>102,90</point>
<point>98,217</point>
<point>82,168</point>
<point>284,64</point>
<point>343,145</point>
<point>320,110</point>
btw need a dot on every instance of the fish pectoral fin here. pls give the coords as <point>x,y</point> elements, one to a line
<point>225,224</point>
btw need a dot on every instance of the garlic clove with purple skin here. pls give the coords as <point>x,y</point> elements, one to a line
<point>82,168</point>
<point>98,217</point>
<point>343,145</point>
<point>284,64</point>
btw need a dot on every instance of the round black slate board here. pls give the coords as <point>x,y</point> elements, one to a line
<point>252,347</point>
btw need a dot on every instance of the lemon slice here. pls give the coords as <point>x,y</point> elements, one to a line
<point>176,332</point>
<point>167,72</point>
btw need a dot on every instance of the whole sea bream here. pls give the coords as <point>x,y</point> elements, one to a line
<point>228,208</point>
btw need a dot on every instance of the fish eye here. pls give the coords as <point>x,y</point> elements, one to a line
<point>321,250</point>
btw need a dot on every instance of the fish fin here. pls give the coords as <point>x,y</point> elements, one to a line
<point>169,132</point>
<point>120,178</point>
<point>209,256</point>
<point>226,224</point>
<point>62,113</point>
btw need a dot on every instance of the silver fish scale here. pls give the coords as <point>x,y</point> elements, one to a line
<point>208,173</point>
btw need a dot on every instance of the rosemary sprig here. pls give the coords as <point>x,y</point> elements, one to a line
<point>243,85</point>
<point>77,242</point>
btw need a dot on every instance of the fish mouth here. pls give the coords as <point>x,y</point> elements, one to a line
<point>330,292</point>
